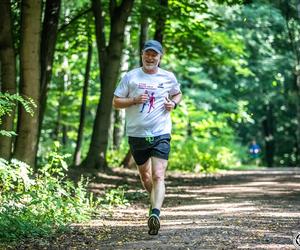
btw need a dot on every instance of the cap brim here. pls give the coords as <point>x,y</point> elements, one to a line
<point>155,49</point>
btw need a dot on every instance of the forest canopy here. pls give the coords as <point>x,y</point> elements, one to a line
<point>237,63</point>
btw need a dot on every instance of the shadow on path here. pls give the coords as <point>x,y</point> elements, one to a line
<point>236,210</point>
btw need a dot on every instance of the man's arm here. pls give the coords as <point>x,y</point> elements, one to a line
<point>172,103</point>
<point>177,98</point>
<point>125,102</point>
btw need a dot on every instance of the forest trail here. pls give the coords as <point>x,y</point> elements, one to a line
<point>257,209</point>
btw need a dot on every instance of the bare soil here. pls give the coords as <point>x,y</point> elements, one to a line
<point>257,209</point>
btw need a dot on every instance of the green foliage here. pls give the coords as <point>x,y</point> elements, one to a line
<point>234,61</point>
<point>8,103</point>
<point>40,204</point>
<point>116,155</point>
<point>53,162</point>
<point>115,197</point>
<point>270,86</point>
<point>62,114</point>
<point>202,141</point>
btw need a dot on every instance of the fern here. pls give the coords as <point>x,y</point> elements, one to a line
<point>7,105</point>
<point>7,133</point>
<point>9,101</point>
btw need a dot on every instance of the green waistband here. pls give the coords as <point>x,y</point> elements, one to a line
<point>149,139</point>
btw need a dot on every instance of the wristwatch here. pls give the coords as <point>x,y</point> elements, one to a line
<point>174,104</point>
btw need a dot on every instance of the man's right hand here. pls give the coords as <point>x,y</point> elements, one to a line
<point>141,99</point>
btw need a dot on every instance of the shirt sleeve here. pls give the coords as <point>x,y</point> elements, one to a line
<point>122,89</point>
<point>176,86</point>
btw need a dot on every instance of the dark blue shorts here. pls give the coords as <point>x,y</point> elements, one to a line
<point>143,148</point>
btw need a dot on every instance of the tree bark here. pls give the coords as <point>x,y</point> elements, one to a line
<point>77,155</point>
<point>144,26</point>
<point>118,131</point>
<point>26,142</point>
<point>109,65</point>
<point>8,74</point>
<point>49,35</point>
<point>161,20</point>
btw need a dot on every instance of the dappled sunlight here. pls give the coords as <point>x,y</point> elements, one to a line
<point>182,195</point>
<point>227,190</point>
<point>260,209</point>
<point>275,214</point>
<point>267,246</point>
<point>109,176</point>
<point>94,119</point>
<point>211,207</point>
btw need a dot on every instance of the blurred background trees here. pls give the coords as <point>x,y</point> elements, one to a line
<point>237,62</point>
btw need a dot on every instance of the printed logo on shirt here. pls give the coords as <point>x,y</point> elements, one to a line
<point>150,102</point>
<point>149,86</point>
<point>152,86</point>
<point>161,85</point>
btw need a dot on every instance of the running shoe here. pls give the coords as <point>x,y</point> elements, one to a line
<point>153,224</point>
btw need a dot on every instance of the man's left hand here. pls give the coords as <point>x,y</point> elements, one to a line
<point>169,105</point>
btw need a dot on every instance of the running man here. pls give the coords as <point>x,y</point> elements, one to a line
<point>149,133</point>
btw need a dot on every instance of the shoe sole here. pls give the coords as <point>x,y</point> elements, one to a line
<point>153,224</point>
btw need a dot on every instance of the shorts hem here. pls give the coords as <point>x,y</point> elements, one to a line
<point>140,164</point>
<point>160,156</point>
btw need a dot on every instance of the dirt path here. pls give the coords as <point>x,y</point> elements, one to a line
<point>238,210</point>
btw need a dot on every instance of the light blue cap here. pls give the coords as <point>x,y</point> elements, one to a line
<point>154,45</point>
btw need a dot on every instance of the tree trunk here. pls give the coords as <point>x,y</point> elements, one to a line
<point>49,35</point>
<point>8,74</point>
<point>143,32</point>
<point>64,138</point>
<point>161,20</point>
<point>77,155</point>
<point>118,131</point>
<point>268,126</point>
<point>109,65</point>
<point>26,142</point>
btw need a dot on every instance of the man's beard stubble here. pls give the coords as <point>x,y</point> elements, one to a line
<point>150,67</point>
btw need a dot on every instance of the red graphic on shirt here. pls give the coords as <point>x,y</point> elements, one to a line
<point>151,102</point>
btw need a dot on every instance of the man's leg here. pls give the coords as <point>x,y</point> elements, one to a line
<point>146,175</point>
<point>159,167</point>
<point>157,194</point>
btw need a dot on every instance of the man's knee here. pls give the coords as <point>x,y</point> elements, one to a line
<point>145,170</point>
<point>158,170</point>
<point>145,177</point>
<point>158,175</point>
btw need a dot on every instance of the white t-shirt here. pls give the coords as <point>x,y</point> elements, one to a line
<point>150,118</point>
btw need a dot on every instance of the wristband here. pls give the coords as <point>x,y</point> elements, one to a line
<point>174,104</point>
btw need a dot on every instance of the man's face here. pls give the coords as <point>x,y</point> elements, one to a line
<point>150,59</point>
